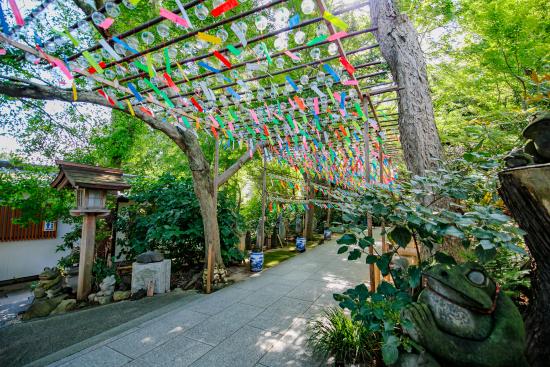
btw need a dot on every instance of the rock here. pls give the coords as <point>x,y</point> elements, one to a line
<point>108,283</point>
<point>47,284</point>
<point>150,257</point>
<point>121,295</point>
<point>39,292</point>
<point>48,273</point>
<point>92,296</point>
<point>104,300</point>
<point>64,306</point>
<point>43,307</point>
<point>138,295</point>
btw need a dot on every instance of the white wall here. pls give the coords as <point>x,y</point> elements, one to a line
<point>27,258</point>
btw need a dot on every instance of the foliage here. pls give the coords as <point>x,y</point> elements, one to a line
<point>450,204</point>
<point>100,271</point>
<point>348,341</point>
<point>70,243</point>
<point>27,187</point>
<point>164,214</point>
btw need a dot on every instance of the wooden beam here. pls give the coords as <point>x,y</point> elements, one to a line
<point>87,247</point>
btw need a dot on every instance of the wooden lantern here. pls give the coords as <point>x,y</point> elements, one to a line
<point>92,185</point>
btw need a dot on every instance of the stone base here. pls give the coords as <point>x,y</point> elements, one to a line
<point>219,275</point>
<point>159,272</point>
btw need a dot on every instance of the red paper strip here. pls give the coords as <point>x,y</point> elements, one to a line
<point>92,70</point>
<point>220,57</point>
<point>146,110</point>
<point>106,23</point>
<point>196,104</point>
<point>104,95</point>
<point>171,83</point>
<point>16,13</point>
<point>266,132</point>
<point>300,103</point>
<point>350,69</point>
<point>228,5</point>
<point>214,131</point>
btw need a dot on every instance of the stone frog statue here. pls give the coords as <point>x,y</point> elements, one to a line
<point>462,320</point>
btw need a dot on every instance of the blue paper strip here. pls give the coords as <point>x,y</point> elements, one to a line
<point>5,26</point>
<point>294,20</point>
<point>233,93</point>
<point>343,100</point>
<point>291,82</point>
<point>38,41</point>
<point>136,93</point>
<point>329,70</point>
<point>125,45</point>
<point>208,67</point>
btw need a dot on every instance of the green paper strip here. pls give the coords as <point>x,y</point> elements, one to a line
<point>231,137</point>
<point>167,99</point>
<point>186,122</point>
<point>92,61</point>
<point>317,40</point>
<point>149,60</point>
<point>220,121</point>
<point>233,115</point>
<point>289,119</point>
<point>233,50</point>
<point>264,47</point>
<point>70,36</point>
<point>360,112</point>
<point>357,127</point>
<point>329,92</point>
<point>167,61</point>
<point>318,125</point>
<point>141,66</point>
<point>251,131</point>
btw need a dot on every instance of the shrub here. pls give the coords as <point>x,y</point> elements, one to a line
<point>349,342</point>
<point>164,214</point>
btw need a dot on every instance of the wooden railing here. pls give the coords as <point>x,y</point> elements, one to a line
<point>32,231</point>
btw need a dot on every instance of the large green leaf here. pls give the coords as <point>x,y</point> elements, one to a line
<point>347,239</point>
<point>400,235</point>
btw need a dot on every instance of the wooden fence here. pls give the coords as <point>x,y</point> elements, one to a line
<point>14,232</point>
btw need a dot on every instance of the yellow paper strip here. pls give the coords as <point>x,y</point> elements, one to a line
<point>75,96</point>
<point>208,38</point>
<point>130,107</point>
<point>336,21</point>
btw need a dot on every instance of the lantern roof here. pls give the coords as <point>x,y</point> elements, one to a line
<point>76,175</point>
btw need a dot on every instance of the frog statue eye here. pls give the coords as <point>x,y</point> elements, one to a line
<point>476,277</point>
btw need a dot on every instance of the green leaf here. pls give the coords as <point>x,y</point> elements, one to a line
<point>347,239</point>
<point>371,259</point>
<point>487,245</point>
<point>354,255</point>
<point>390,351</point>
<point>366,242</point>
<point>343,249</point>
<point>452,231</point>
<point>383,263</point>
<point>400,235</point>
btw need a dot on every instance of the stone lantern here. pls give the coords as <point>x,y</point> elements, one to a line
<point>92,184</point>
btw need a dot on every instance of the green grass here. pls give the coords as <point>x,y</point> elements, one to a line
<point>275,257</point>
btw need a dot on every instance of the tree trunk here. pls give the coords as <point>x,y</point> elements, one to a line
<point>310,212</point>
<point>399,45</point>
<point>526,193</point>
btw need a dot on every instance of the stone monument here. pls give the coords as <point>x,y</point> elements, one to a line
<point>151,267</point>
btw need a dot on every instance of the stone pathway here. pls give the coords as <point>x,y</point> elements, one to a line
<point>258,322</point>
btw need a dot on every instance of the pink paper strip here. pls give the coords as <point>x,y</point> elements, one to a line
<point>316,105</point>
<point>254,116</point>
<point>231,127</point>
<point>173,17</point>
<point>214,122</point>
<point>336,36</point>
<point>291,103</point>
<point>61,65</point>
<point>106,23</point>
<point>350,82</point>
<point>336,96</point>
<point>291,55</point>
<point>16,13</point>
<point>2,51</point>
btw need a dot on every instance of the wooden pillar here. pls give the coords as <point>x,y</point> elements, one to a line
<point>366,159</point>
<point>87,247</point>
<point>383,224</point>
<point>210,256</point>
<point>261,233</point>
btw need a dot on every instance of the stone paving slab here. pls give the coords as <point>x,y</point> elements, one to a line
<point>261,321</point>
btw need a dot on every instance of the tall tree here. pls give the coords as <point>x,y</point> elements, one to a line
<point>400,47</point>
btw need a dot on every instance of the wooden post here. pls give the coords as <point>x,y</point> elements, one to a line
<point>366,159</point>
<point>383,224</point>
<point>209,258</point>
<point>87,246</point>
<point>260,237</point>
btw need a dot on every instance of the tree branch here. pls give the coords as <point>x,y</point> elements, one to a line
<point>226,175</point>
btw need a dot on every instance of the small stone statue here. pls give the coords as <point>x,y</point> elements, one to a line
<point>537,149</point>
<point>150,257</point>
<point>461,319</point>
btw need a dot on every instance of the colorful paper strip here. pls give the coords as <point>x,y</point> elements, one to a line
<point>209,38</point>
<point>337,22</point>
<point>106,23</point>
<point>345,63</point>
<point>173,18</point>
<point>222,58</point>
<point>222,8</point>
<point>317,40</point>
<point>337,36</point>
<point>16,13</point>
